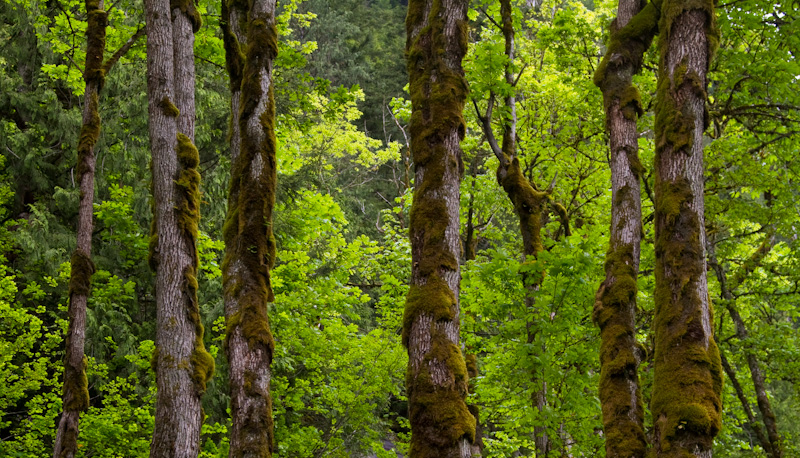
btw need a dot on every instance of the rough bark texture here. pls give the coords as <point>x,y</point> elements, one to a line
<point>436,379</point>
<point>615,305</point>
<point>687,382</point>
<point>181,362</point>
<point>76,392</point>
<point>250,243</point>
<point>772,440</point>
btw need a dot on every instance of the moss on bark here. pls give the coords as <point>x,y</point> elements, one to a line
<point>687,384</point>
<point>201,363</point>
<point>188,8</point>
<point>169,108</point>
<point>436,44</point>
<point>626,48</point>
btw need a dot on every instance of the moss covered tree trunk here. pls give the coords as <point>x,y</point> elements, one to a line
<point>615,307</point>
<point>687,381</point>
<point>182,364</point>
<point>76,392</point>
<point>436,379</point>
<point>250,243</point>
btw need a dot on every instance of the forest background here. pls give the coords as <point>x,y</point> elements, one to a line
<point>344,192</point>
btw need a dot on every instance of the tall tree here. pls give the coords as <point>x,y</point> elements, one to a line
<point>615,306</point>
<point>687,381</point>
<point>76,390</point>
<point>529,202</point>
<point>771,441</point>
<point>436,379</point>
<point>249,240</point>
<point>182,363</point>
<point>76,394</point>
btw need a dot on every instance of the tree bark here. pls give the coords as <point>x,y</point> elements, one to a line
<point>687,383</point>
<point>182,364</point>
<point>436,379</point>
<point>615,305</point>
<point>250,243</point>
<point>76,391</point>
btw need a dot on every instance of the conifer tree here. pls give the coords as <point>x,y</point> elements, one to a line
<point>687,383</point>
<point>615,307</point>
<point>249,241</point>
<point>182,363</point>
<point>436,378</point>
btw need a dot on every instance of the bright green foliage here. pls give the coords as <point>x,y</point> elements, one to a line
<point>342,273</point>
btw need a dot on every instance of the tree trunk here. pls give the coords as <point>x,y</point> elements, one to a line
<point>250,243</point>
<point>687,381</point>
<point>772,441</point>
<point>436,379</point>
<point>615,305</point>
<point>76,392</point>
<point>183,366</point>
<point>528,204</point>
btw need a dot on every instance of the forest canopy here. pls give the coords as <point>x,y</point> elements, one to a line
<point>307,237</point>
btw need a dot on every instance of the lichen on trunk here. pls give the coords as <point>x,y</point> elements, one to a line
<point>687,383</point>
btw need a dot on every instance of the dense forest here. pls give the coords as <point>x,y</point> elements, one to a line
<point>383,228</point>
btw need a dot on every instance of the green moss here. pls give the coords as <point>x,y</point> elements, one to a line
<point>234,56</point>
<point>614,309</point>
<point>90,133</point>
<point>528,205</point>
<point>188,184</point>
<point>76,387</point>
<point>434,298</point>
<point>188,8</point>
<point>248,224</point>
<point>96,45</point>
<point>80,278</point>
<point>626,48</point>
<point>201,363</point>
<point>438,414</point>
<point>674,124</point>
<point>154,360</point>
<point>169,108</point>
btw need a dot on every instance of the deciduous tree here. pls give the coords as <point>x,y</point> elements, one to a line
<point>687,383</point>
<point>436,379</point>
<point>250,243</point>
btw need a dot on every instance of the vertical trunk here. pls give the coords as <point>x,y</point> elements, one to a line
<point>76,393</point>
<point>772,441</point>
<point>751,419</point>
<point>470,247</point>
<point>250,243</point>
<point>182,364</point>
<point>687,382</point>
<point>528,205</point>
<point>436,379</point>
<point>185,22</point>
<point>615,306</point>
